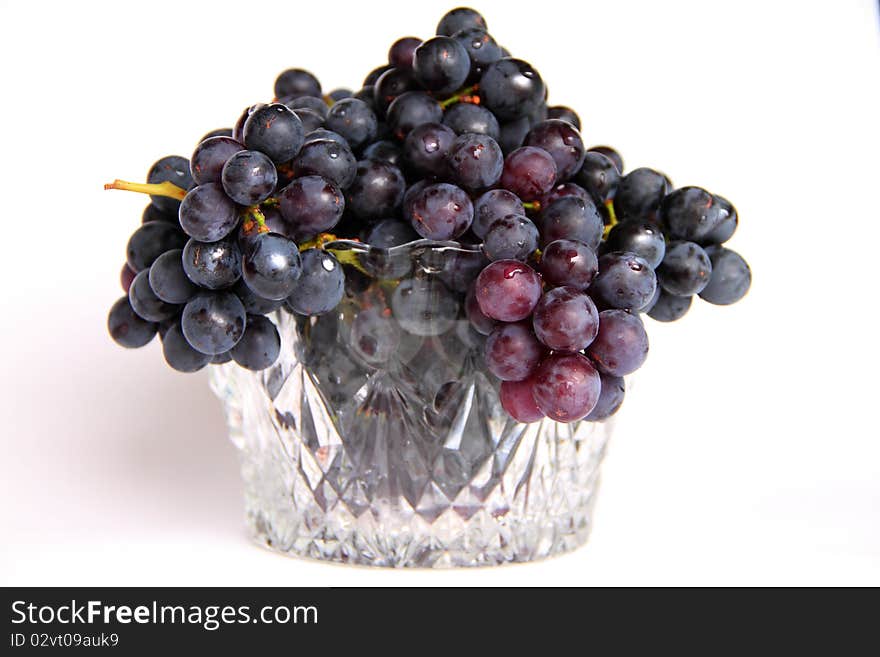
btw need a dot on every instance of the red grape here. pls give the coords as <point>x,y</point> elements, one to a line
<point>569,262</point>
<point>566,387</point>
<point>508,290</point>
<point>529,173</point>
<point>621,345</point>
<point>566,319</point>
<point>512,351</point>
<point>518,401</point>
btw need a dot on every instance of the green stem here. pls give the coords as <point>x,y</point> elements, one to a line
<point>166,188</point>
<point>465,95</point>
<point>612,217</point>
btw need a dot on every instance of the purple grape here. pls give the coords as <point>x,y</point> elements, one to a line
<point>508,290</point>
<point>249,177</point>
<point>274,130</point>
<point>566,319</point>
<point>253,303</point>
<point>686,269</point>
<point>238,128</point>
<point>145,303</point>
<point>481,323</point>
<point>481,48</point>
<point>425,148</point>
<point>642,237</point>
<point>512,352</point>
<point>566,387</point>
<point>625,281</point>
<point>311,205</point>
<point>126,276</point>
<point>441,65</point>
<point>354,120</point>
<point>668,307</point>
<point>207,213</point>
<point>565,189</point>
<point>311,103</point>
<point>400,55</point>
<point>179,354</point>
<point>639,194</point>
<point>212,265</point>
<point>377,190</point>
<point>599,177</point>
<point>389,233</point>
<point>206,163</point>
<point>475,161</point>
<point>271,266</point>
<point>152,213</point>
<point>563,142</point>
<point>726,225</point>
<point>690,213</point>
<point>127,328</point>
<point>610,398</point>
<point>295,82</point>
<point>492,206</point>
<point>260,345</point>
<point>150,241</point>
<point>571,218</point>
<point>326,158</point>
<point>391,84</point>
<point>320,287</point>
<point>730,279</point>
<point>168,280</point>
<point>462,18</point>
<point>412,109</point>
<point>570,263</point>
<point>511,238</point>
<point>310,120</point>
<point>462,269</point>
<point>213,322</point>
<point>519,402</point>
<point>424,306</point>
<point>512,134</point>
<point>564,113</point>
<point>511,89</point>
<point>440,212</point>
<point>173,169</point>
<point>529,173</point>
<point>621,346</point>
<point>610,153</point>
<point>375,336</point>
<point>469,118</point>
<point>385,151</point>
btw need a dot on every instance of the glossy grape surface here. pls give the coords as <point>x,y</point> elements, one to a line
<point>566,387</point>
<point>508,290</point>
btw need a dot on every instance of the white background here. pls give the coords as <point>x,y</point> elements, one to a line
<point>748,450</point>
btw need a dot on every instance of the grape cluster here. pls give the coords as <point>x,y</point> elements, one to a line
<point>451,140</point>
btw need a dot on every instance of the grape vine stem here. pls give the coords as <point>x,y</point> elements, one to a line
<point>167,188</point>
<point>466,95</point>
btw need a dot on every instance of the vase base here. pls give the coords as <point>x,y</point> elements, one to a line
<point>449,541</point>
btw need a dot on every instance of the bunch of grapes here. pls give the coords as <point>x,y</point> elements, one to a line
<point>451,141</point>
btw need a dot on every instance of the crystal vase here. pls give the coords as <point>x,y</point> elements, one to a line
<point>378,438</point>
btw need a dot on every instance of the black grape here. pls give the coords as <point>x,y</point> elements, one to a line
<point>259,346</point>
<point>128,329</point>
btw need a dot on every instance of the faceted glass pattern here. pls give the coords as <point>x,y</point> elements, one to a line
<point>410,461</point>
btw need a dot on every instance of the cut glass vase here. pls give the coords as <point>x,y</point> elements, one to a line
<point>378,438</point>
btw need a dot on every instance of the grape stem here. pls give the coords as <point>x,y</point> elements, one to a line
<point>254,221</point>
<point>167,188</point>
<point>466,95</point>
<point>344,256</point>
<point>533,205</point>
<point>612,217</point>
